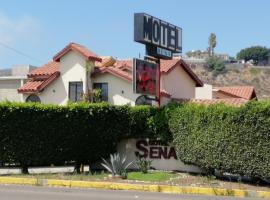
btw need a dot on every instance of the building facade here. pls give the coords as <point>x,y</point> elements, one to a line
<point>75,70</point>
<point>11,79</point>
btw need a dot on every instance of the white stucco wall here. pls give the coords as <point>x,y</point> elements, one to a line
<point>120,92</point>
<point>129,149</point>
<point>72,69</point>
<point>9,95</point>
<point>8,90</point>
<point>178,83</point>
<point>205,92</point>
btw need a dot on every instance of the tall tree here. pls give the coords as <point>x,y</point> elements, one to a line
<point>257,54</point>
<point>212,43</point>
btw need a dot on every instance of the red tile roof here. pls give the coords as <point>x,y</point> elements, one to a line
<point>35,86</point>
<point>114,71</point>
<point>30,86</point>
<point>45,75</point>
<point>230,102</point>
<point>78,48</point>
<point>245,92</point>
<point>164,93</point>
<point>45,70</point>
<point>166,67</point>
<point>124,63</point>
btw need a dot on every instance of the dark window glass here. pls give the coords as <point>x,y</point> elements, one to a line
<point>104,90</point>
<point>33,98</point>
<point>75,91</point>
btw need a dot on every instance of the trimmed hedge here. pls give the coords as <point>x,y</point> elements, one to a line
<point>229,139</point>
<point>149,122</point>
<point>36,134</point>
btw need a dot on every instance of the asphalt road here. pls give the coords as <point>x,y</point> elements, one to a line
<point>12,192</point>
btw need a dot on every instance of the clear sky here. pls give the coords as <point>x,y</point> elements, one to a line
<point>41,28</point>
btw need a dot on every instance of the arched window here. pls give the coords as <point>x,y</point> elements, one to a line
<point>33,98</point>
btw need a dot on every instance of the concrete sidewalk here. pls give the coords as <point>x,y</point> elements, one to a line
<point>41,170</point>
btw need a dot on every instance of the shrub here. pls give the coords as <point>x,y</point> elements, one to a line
<point>234,140</point>
<point>143,164</point>
<point>215,64</point>
<point>117,165</point>
<point>35,134</point>
<point>149,122</point>
<point>141,121</point>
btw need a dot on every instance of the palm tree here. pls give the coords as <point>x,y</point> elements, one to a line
<point>212,43</point>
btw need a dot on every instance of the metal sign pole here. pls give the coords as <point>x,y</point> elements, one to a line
<point>159,85</point>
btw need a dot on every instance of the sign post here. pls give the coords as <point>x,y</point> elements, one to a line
<point>161,39</point>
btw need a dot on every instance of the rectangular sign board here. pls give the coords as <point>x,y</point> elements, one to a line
<point>155,32</point>
<point>159,52</point>
<point>145,77</point>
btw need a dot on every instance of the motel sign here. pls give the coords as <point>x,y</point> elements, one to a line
<point>161,38</point>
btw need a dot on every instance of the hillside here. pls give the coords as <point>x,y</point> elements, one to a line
<point>257,77</point>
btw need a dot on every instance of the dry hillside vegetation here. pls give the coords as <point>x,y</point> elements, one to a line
<point>257,77</point>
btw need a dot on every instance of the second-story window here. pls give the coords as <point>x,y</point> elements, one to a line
<point>75,91</point>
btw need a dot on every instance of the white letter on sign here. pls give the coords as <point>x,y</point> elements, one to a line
<point>147,29</point>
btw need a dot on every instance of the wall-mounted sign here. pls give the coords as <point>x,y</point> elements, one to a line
<point>145,77</point>
<point>154,149</point>
<point>162,155</point>
<point>155,32</point>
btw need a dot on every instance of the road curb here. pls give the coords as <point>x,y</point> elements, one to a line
<point>137,187</point>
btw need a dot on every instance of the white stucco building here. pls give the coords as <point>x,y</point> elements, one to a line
<point>11,79</point>
<point>65,79</point>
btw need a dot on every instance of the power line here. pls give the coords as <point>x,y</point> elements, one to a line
<point>19,52</point>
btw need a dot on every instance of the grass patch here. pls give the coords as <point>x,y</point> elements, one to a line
<point>150,176</point>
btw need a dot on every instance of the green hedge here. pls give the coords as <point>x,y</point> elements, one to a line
<point>36,134</point>
<point>229,139</point>
<point>149,122</point>
<point>235,140</point>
